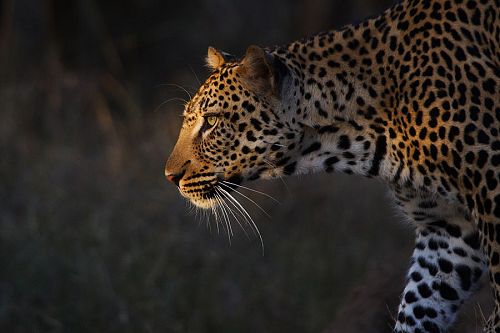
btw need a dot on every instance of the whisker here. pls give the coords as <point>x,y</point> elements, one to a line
<point>195,76</point>
<point>184,102</point>
<point>231,212</point>
<point>216,217</point>
<point>177,86</point>
<point>253,190</point>
<point>219,205</point>
<point>244,211</point>
<point>206,218</point>
<point>274,144</point>
<point>226,221</point>
<point>246,197</point>
<point>238,210</point>
<point>279,123</point>
<point>273,166</point>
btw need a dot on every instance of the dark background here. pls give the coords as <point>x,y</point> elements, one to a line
<point>93,239</point>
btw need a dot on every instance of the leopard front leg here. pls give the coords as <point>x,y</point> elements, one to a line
<point>489,226</point>
<point>446,266</point>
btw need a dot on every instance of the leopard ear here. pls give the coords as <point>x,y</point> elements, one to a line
<point>215,58</point>
<point>256,64</point>
<point>263,71</point>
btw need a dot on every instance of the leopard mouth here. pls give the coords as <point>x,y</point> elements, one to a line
<point>209,193</point>
<point>203,197</point>
<point>216,194</point>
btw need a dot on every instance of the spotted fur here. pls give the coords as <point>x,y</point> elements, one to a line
<point>411,97</point>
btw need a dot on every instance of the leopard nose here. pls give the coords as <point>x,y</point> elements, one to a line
<point>175,177</point>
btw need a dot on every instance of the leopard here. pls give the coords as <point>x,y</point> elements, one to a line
<point>410,97</point>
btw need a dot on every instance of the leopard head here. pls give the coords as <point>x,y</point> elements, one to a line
<point>235,127</point>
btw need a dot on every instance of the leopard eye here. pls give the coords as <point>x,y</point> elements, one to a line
<point>211,120</point>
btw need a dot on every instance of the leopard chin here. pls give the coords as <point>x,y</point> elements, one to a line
<point>204,203</point>
<point>205,198</point>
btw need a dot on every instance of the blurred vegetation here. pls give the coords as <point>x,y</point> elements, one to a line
<point>93,239</point>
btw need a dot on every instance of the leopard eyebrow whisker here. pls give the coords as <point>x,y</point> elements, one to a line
<point>190,94</point>
<point>184,103</point>
<point>195,76</point>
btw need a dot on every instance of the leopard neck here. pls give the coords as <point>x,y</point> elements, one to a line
<point>343,93</point>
